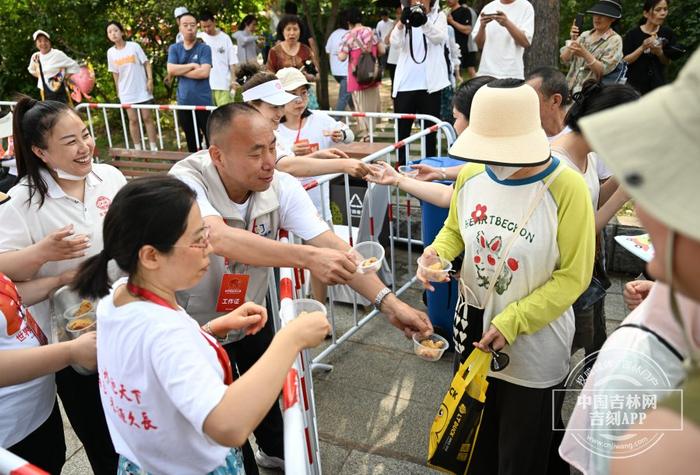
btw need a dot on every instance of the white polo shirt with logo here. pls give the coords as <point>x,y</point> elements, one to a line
<point>25,223</point>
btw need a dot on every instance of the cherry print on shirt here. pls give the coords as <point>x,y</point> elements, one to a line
<point>102,204</point>
<point>487,253</point>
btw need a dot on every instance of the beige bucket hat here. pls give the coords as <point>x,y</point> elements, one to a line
<point>504,129</point>
<point>653,148</point>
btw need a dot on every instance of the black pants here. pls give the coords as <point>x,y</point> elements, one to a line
<point>417,102</point>
<point>80,396</point>
<point>269,434</point>
<point>187,124</point>
<point>46,446</point>
<point>516,433</point>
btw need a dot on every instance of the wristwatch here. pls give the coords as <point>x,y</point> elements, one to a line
<point>381,295</point>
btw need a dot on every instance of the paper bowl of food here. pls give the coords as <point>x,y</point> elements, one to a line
<point>85,307</point>
<point>408,170</point>
<point>305,306</point>
<point>368,256</point>
<point>80,325</point>
<point>429,348</point>
<point>434,268</point>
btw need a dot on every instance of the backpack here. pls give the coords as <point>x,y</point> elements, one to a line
<point>368,69</point>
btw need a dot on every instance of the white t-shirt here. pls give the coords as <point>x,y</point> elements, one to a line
<point>31,224</point>
<point>501,57</point>
<point>159,380</point>
<point>297,213</point>
<point>595,172</point>
<point>129,62</point>
<point>415,76</point>
<point>52,63</point>
<point>312,131</point>
<point>384,28</point>
<point>223,55</point>
<point>631,360</point>
<point>24,407</point>
<point>338,67</point>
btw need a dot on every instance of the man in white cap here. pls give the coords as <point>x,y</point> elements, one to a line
<point>179,11</point>
<point>246,202</point>
<point>51,67</point>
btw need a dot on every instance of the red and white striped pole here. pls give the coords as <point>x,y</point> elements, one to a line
<point>10,464</point>
<point>300,455</point>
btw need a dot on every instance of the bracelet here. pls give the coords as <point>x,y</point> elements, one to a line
<point>381,295</point>
<point>398,179</point>
<point>207,328</point>
<point>444,173</point>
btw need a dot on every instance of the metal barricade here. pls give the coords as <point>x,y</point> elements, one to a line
<point>394,223</point>
<point>301,447</point>
<point>10,464</point>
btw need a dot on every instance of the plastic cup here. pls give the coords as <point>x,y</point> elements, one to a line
<point>432,272</point>
<point>369,256</point>
<point>426,352</point>
<point>71,312</point>
<point>78,326</point>
<point>308,306</point>
<point>408,170</point>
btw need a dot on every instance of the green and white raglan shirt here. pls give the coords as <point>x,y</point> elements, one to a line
<point>548,267</point>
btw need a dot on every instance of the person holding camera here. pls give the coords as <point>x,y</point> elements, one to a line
<point>502,32</point>
<point>420,37</point>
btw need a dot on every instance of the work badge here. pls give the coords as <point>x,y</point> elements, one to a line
<point>232,292</point>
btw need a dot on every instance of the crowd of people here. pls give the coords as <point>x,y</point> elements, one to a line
<point>178,376</point>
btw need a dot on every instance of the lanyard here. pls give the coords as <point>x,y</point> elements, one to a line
<point>301,121</point>
<point>221,354</point>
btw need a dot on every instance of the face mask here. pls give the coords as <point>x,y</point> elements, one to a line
<point>67,176</point>
<point>503,172</point>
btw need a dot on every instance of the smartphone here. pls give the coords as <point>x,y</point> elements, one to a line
<point>579,22</point>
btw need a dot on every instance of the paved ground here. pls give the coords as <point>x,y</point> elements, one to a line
<point>375,407</point>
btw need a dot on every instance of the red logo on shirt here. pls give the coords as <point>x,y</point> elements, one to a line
<point>102,204</point>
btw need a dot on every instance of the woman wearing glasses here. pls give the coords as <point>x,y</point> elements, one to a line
<point>167,385</point>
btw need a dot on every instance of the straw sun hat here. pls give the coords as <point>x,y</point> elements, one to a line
<point>653,147</point>
<point>504,129</point>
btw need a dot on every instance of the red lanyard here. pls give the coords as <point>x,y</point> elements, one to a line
<point>221,354</point>
<point>301,121</point>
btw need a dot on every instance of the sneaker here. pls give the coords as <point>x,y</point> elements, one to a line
<point>267,461</point>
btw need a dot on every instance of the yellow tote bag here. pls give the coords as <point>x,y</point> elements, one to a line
<point>456,425</point>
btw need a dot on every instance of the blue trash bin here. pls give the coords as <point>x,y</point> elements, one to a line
<point>442,302</point>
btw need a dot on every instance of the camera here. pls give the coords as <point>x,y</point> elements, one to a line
<point>413,15</point>
<point>310,67</point>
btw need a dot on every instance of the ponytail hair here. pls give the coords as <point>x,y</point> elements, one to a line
<point>32,123</point>
<point>146,211</point>
<point>92,279</point>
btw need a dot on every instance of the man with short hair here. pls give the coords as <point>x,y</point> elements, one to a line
<point>245,201</point>
<point>553,92</point>
<point>191,62</point>
<point>223,59</point>
<point>502,32</point>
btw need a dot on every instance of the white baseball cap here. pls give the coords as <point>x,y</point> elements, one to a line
<point>179,11</point>
<point>6,126</point>
<point>292,78</point>
<point>36,34</point>
<point>271,92</point>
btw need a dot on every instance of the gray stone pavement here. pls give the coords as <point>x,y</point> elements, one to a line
<point>377,404</point>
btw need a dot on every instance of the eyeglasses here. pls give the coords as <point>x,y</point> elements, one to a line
<point>201,243</point>
<point>302,96</point>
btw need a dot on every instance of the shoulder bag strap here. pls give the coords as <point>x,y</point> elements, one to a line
<point>516,233</point>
